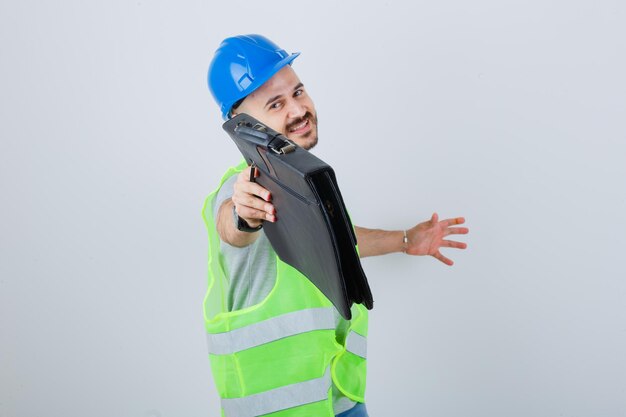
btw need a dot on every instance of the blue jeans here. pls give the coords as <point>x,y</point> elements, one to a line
<point>357,411</point>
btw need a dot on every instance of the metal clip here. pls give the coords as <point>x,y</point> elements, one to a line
<point>285,149</point>
<point>290,147</point>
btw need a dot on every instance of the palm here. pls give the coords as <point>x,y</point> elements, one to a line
<point>428,238</point>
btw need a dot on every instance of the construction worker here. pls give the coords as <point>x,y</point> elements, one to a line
<point>276,344</point>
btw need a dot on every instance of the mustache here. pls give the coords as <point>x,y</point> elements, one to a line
<point>306,116</point>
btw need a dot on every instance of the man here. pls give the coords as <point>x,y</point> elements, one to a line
<point>277,346</point>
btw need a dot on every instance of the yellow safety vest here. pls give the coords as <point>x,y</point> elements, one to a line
<point>279,357</point>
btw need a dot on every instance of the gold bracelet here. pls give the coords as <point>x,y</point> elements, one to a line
<point>405,239</point>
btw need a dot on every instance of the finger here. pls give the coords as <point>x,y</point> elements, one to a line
<point>443,259</point>
<point>249,213</point>
<point>253,188</point>
<point>456,231</point>
<point>434,218</point>
<point>453,244</point>
<point>253,202</point>
<point>247,175</point>
<point>454,221</point>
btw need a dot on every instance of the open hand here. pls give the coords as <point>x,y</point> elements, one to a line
<point>428,237</point>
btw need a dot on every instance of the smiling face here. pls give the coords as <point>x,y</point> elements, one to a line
<point>283,104</point>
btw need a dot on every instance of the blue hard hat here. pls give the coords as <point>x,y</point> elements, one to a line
<point>241,65</point>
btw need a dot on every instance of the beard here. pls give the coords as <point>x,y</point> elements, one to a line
<point>309,139</point>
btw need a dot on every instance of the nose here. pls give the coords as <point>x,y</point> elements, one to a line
<point>295,109</point>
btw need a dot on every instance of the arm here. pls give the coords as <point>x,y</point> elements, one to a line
<point>374,242</point>
<point>252,203</point>
<point>425,238</point>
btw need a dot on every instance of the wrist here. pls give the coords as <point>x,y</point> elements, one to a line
<point>243,225</point>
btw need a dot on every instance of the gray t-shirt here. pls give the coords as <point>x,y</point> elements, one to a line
<point>251,272</point>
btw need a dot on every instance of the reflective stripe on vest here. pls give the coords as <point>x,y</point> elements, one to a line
<point>357,344</point>
<point>276,328</point>
<point>278,399</point>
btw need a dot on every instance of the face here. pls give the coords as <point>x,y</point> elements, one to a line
<point>283,104</point>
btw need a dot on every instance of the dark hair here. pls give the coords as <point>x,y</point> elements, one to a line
<point>235,105</point>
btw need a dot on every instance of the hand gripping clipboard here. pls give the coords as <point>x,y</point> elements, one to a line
<point>313,232</point>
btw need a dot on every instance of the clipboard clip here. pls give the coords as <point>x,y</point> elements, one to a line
<point>258,135</point>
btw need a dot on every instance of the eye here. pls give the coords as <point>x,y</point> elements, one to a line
<point>275,105</point>
<point>298,92</point>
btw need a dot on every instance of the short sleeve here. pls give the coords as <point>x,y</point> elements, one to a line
<point>225,192</point>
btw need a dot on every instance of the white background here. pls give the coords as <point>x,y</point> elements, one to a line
<point>510,113</point>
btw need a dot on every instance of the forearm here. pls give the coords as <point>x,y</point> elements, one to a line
<point>228,232</point>
<point>373,242</point>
